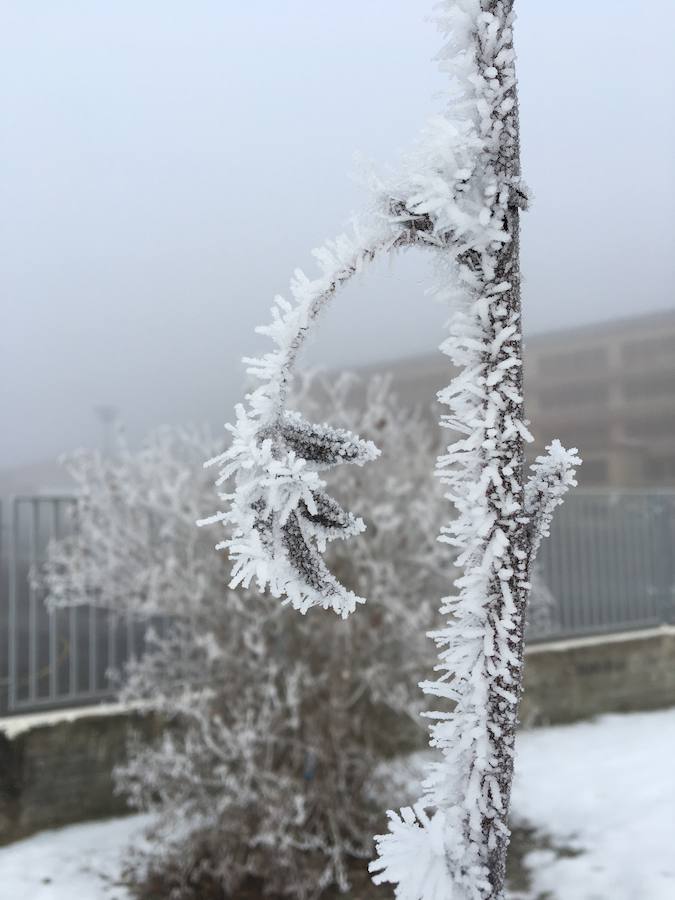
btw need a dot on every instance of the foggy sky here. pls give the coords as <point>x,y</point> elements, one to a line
<point>164,166</point>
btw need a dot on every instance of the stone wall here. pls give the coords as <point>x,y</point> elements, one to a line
<point>55,774</point>
<point>55,768</point>
<point>570,680</point>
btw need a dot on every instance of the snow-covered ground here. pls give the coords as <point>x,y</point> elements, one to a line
<point>605,789</point>
<point>81,862</point>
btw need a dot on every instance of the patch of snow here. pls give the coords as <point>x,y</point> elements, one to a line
<point>81,862</point>
<point>11,726</point>
<point>605,788</point>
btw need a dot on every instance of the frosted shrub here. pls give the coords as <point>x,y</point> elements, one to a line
<point>276,723</point>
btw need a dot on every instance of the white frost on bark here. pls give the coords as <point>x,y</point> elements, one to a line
<point>459,195</point>
<point>499,524</point>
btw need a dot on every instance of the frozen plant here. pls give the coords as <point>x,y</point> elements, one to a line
<point>275,725</point>
<point>459,195</point>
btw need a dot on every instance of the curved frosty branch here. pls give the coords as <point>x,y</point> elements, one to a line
<point>280,518</point>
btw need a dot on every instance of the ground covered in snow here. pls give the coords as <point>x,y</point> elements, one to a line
<point>599,797</point>
<point>82,862</point>
<point>607,790</point>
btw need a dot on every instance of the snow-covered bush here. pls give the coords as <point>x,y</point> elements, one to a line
<point>276,723</point>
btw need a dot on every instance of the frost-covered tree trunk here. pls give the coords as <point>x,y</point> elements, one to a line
<point>500,522</point>
<point>459,195</point>
<point>485,476</point>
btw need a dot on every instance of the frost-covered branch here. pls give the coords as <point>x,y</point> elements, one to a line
<point>458,195</point>
<point>552,475</point>
<point>275,531</point>
<point>280,518</point>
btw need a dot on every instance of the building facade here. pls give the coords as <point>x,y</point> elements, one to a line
<point>607,388</point>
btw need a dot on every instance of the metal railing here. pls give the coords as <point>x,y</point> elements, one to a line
<point>608,566</point>
<point>55,657</point>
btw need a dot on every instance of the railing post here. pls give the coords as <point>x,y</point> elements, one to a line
<point>53,661</point>
<point>665,513</point>
<point>11,623</point>
<point>33,563</point>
